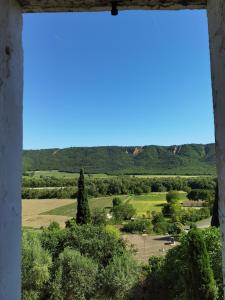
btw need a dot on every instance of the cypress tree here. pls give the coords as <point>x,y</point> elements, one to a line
<point>215,213</point>
<point>200,283</point>
<point>83,211</point>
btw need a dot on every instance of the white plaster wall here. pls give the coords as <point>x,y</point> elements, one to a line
<point>216,20</point>
<point>11,92</point>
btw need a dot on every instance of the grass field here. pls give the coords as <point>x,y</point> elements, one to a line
<point>70,209</point>
<point>151,202</point>
<point>37,213</point>
<point>58,174</point>
<point>142,203</point>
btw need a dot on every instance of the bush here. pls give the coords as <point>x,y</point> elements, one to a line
<point>175,228</point>
<point>124,211</point>
<point>120,276</point>
<point>161,227</point>
<point>116,201</point>
<point>172,197</point>
<point>36,264</point>
<point>89,240</point>
<point>138,226</point>
<point>75,277</point>
<point>98,216</point>
<point>110,229</point>
<point>200,283</point>
<point>205,195</point>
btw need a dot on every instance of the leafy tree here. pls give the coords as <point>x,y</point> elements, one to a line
<point>36,264</point>
<point>138,226</point>
<point>120,276</point>
<point>75,277</point>
<point>124,211</point>
<point>200,283</point>
<point>83,211</point>
<point>172,197</point>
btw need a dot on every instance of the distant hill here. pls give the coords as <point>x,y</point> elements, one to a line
<point>190,159</point>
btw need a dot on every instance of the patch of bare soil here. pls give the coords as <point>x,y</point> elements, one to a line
<point>31,210</point>
<point>148,245</point>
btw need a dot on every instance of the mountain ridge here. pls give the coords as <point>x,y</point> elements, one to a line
<point>185,159</point>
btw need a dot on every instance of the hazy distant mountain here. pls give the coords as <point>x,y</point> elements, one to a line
<point>191,159</point>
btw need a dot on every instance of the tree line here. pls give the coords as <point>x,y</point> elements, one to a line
<point>120,185</point>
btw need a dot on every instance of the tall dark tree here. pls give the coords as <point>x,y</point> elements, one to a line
<point>215,213</point>
<point>83,211</point>
<point>200,283</point>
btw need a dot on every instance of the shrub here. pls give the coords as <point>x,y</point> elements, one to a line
<point>172,197</point>
<point>75,277</point>
<point>98,216</point>
<point>175,228</point>
<point>200,283</point>
<point>116,201</point>
<point>197,194</point>
<point>138,226</point>
<point>110,229</point>
<point>91,241</point>
<point>36,264</point>
<point>120,277</point>
<point>161,227</point>
<point>124,211</point>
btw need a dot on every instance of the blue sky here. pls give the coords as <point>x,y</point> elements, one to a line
<point>140,78</point>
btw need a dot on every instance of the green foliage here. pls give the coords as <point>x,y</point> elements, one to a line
<point>110,229</point>
<point>187,268</point>
<point>138,226</point>
<point>120,276</point>
<point>124,211</point>
<point>175,228</point>
<point>161,227</point>
<point>200,283</point>
<point>36,264</point>
<point>116,201</point>
<point>54,226</point>
<point>191,159</point>
<point>89,240</point>
<point>83,211</point>
<point>75,277</point>
<point>197,194</point>
<point>98,216</point>
<point>172,197</point>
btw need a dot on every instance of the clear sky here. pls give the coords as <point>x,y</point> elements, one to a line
<point>140,78</point>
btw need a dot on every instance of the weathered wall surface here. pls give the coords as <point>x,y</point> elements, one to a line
<point>216,19</point>
<point>11,86</point>
<point>105,5</point>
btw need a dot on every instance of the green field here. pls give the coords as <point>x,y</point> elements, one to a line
<point>142,203</point>
<point>58,174</point>
<point>151,202</point>
<point>70,209</point>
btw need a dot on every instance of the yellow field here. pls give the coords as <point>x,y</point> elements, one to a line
<point>32,210</point>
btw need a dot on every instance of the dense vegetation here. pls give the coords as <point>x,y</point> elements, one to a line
<point>119,185</point>
<point>76,263</point>
<point>190,271</point>
<point>186,159</point>
<point>91,262</point>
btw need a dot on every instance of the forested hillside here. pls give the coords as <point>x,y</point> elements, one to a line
<point>190,159</point>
